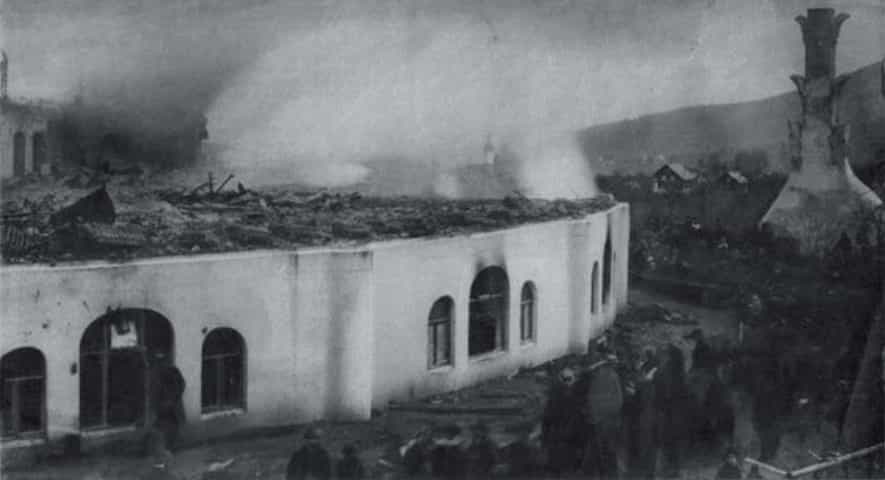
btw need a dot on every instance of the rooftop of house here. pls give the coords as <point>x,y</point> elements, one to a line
<point>679,170</point>
<point>123,222</point>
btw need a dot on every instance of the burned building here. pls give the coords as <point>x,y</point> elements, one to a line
<point>293,334</point>
<point>37,137</point>
<point>822,199</point>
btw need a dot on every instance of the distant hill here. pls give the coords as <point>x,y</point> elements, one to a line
<point>688,134</point>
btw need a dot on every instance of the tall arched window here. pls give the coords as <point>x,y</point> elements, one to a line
<point>527,311</point>
<point>439,333</point>
<point>23,375</point>
<point>607,269</point>
<point>594,288</point>
<point>117,352</point>
<point>18,154</point>
<point>224,371</point>
<point>489,300</point>
<point>38,150</point>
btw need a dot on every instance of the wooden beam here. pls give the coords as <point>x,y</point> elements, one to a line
<point>836,461</point>
<point>766,466</point>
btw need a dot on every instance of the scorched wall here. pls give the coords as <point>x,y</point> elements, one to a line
<point>326,333</point>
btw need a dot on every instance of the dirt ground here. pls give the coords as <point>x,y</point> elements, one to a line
<point>267,456</point>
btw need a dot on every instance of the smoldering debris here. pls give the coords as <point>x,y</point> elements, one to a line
<point>125,219</point>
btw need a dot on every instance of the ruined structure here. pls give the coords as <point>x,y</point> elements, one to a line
<point>822,198</point>
<point>37,137</point>
<point>300,333</point>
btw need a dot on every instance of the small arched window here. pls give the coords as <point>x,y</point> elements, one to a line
<point>527,311</point>
<point>224,371</point>
<point>607,273</point>
<point>23,377</point>
<point>38,151</point>
<point>439,333</point>
<point>18,154</point>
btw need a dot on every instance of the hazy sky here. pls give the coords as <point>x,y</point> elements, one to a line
<point>352,79</point>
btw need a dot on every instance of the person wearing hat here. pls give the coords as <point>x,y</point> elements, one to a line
<point>603,404</point>
<point>166,391</point>
<point>311,461</point>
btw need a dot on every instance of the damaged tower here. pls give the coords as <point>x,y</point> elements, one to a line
<point>822,198</point>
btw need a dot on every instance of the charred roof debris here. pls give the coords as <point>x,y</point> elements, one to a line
<point>122,220</point>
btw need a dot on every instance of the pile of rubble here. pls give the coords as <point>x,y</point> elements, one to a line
<point>129,220</point>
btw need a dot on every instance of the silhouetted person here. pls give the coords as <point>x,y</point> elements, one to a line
<point>672,399</point>
<point>311,461</point>
<point>446,458</point>
<point>731,468</point>
<point>644,418</point>
<point>166,389</point>
<point>702,356</point>
<point>603,455</point>
<point>349,465</point>
<point>482,453</point>
<point>562,432</point>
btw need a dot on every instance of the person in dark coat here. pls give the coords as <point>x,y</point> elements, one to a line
<point>482,453</point>
<point>702,356</point>
<point>447,457</point>
<point>311,461</point>
<point>672,400</point>
<point>166,391</point>
<point>562,432</point>
<point>349,465</point>
<point>645,436</point>
<point>604,401</point>
<point>731,468</point>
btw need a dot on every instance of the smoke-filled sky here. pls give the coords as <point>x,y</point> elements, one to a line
<point>339,82</point>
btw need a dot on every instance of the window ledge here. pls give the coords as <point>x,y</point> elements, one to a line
<point>24,441</point>
<point>441,369</point>
<point>98,432</point>
<point>230,412</point>
<point>528,343</point>
<point>488,356</point>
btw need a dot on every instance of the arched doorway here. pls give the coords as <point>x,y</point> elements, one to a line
<point>489,301</point>
<point>116,351</point>
<point>38,151</point>
<point>18,154</point>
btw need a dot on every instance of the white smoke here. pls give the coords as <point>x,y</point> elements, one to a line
<point>332,98</point>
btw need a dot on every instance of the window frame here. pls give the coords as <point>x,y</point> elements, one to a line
<point>499,299</point>
<point>16,403</point>
<point>218,362</point>
<point>528,305</point>
<point>434,324</point>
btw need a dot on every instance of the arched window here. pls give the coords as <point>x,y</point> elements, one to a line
<point>439,333</point>
<point>18,154</point>
<point>23,375</point>
<point>607,269</point>
<point>527,310</point>
<point>594,288</point>
<point>224,371</point>
<point>117,352</point>
<point>38,150</point>
<point>489,300</point>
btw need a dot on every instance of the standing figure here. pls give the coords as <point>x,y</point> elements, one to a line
<point>604,401</point>
<point>672,399</point>
<point>645,436</point>
<point>731,468</point>
<point>562,426</point>
<point>311,461</point>
<point>166,391</point>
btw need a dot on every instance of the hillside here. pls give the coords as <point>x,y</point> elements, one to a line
<point>687,134</point>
